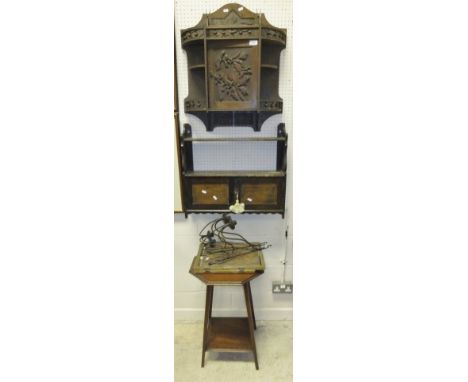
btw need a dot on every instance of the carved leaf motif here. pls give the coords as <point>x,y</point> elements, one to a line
<point>232,75</point>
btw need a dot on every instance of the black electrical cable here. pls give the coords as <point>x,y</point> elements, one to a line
<point>224,245</point>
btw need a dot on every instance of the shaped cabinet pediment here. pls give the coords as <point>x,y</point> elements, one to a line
<point>233,61</point>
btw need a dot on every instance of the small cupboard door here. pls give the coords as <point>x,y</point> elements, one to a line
<point>219,193</point>
<point>262,194</point>
<point>209,193</point>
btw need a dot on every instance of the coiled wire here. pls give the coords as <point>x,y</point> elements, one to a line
<point>223,246</point>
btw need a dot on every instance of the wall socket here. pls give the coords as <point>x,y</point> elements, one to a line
<point>283,288</point>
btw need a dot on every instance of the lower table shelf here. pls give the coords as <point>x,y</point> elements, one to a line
<point>229,334</point>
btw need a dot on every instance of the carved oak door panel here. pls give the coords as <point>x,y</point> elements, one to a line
<point>233,74</point>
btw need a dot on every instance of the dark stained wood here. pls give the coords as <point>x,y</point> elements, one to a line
<point>231,334</point>
<point>210,193</point>
<point>238,270</point>
<point>236,139</point>
<point>210,308</point>
<point>263,193</point>
<point>236,174</point>
<point>179,158</point>
<point>221,210</point>
<point>228,333</point>
<point>281,148</point>
<point>233,59</point>
<point>207,192</point>
<point>227,278</point>
<point>187,149</point>
<point>232,14</point>
<point>232,75</point>
<point>177,129</point>
<point>250,321</point>
<point>251,305</point>
<point>260,191</point>
<point>244,263</point>
<point>208,305</point>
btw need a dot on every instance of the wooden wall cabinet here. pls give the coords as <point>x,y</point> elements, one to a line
<point>233,60</point>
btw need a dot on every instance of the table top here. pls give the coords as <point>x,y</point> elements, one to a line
<point>220,258</point>
<point>238,267</point>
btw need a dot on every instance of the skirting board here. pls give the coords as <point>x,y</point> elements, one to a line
<point>260,314</point>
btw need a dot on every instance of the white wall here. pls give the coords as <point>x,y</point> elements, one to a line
<point>189,292</point>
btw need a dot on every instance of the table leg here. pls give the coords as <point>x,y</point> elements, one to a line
<point>251,304</point>
<point>211,301</point>
<point>206,324</point>
<point>248,303</point>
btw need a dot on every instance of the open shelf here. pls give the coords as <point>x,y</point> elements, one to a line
<point>229,334</point>
<point>245,174</point>
<point>261,191</point>
<point>233,59</point>
<point>239,139</point>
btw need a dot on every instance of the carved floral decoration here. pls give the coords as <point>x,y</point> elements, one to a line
<point>232,76</point>
<point>228,33</point>
<point>193,34</point>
